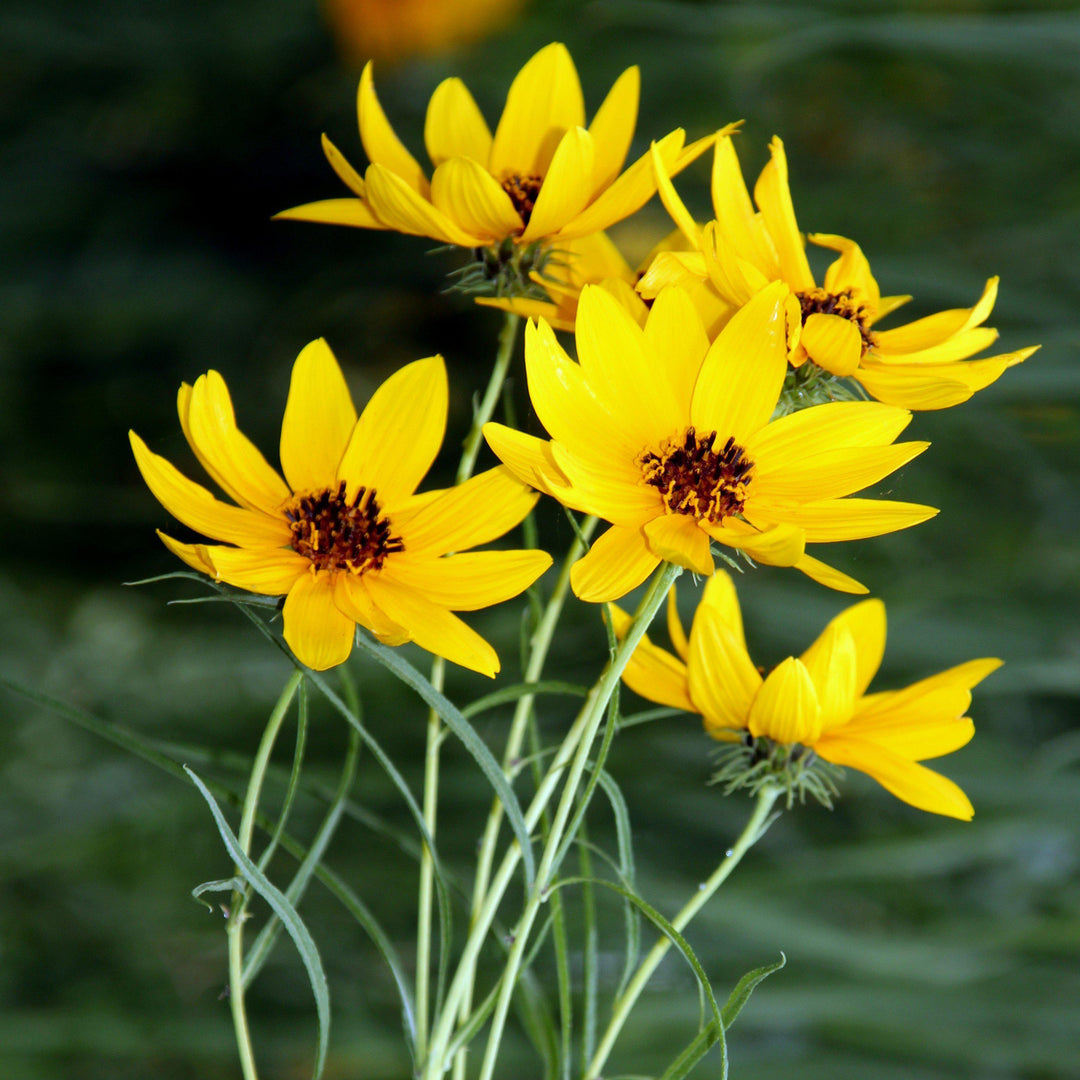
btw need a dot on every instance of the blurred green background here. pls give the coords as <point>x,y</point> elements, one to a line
<point>145,147</point>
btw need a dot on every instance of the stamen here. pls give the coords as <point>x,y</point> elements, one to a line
<point>523,192</point>
<point>693,478</point>
<point>844,304</point>
<point>336,534</point>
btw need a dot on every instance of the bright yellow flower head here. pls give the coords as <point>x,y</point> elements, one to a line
<point>817,701</point>
<point>922,365</point>
<point>543,176</point>
<point>344,537</point>
<point>670,439</point>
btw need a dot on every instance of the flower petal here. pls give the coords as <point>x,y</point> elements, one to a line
<point>381,145</point>
<point>612,128</point>
<point>958,347</point>
<point>468,581</point>
<point>677,538</point>
<point>351,597</point>
<point>721,597</point>
<point>962,677</point>
<point>929,732</point>
<point>529,459</point>
<point>773,196</point>
<point>738,227</point>
<point>831,520</point>
<point>454,126</point>
<point>400,208</point>
<point>317,632</point>
<point>617,562</point>
<point>197,556</point>
<point>399,433</point>
<point>829,576</point>
<point>735,279</point>
<point>675,626</point>
<point>345,172</point>
<point>779,545</point>
<point>566,188</point>
<point>744,369</point>
<point>433,627</point>
<point>865,623</point>
<point>674,205</point>
<point>674,331</point>
<point>319,419</point>
<point>619,496</point>
<point>193,505</point>
<point>933,329</point>
<point>353,212</point>
<point>545,100</point>
<point>652,672</point>
<point>786,707</point>
<point>269,571</point>
<point>850,271</point>
<point>722,677</point>
<point>832,663</point>
<point>832,342</point>
<point>228,456</point>
<point>469,195</point>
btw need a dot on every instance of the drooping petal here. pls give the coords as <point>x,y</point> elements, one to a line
<point>432,627</point>
<point>778,545</point>
<point>744,369</point>
<point>454,126</point>
<point>353,212</point>
<point>566,189</point>
<point>193,505</point>
<point>469,581</point>
<point>381,145</point>
<point>832,520</point>
<point>653,672</point>
<point>865,623</point>
<point>197,556</point>
<point>319,418</point>
<point>832,342</point>
<point>209,425</point>
<point>612,128</point>
<point>399,433</point>
<point>545,100</point>
<point>478,511</point>
<point>674,331</point>
<point>786,708</point>
<point>773,197</point>
<point>911,783</point>
<point>318,633</point>
<point>399,207</point>
<point>722,677</point>
<point>465,192</point>
<point>528,458</point>
<point>352,598</point>
<point>617,562</point>
<point>829,576</point>
<point>676,538</point>
<point>269,571</point>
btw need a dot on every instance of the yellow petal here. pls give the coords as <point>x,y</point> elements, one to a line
<point>193,505</point>
<point>832,342</point>
<point>617,495</point>
<point>723,679</point>
<point>865,623</point>
<point>962,677</point>
<point>675,626</point>
<point>545,100</point>
<point>937,727</point>
<point>682,268</point>
<point>674,331</point>
<point>832,520</point>
<point>832,663</point>
<point>933,329</point>
<point>478,511</point>
<point>381,145</point>
<point>911,783</point>
<point>530,459</point>
<point>721,597</point>
<point>433,627</point>
<point>677,538</point>
<point>469,581</point>
<point>318,421</point>
<point>744,369</point>
<point>778,545</point>
<point>682,217</point>
<point>829,576</point>
<point>653,672</point>
<point>740,230</point>
<point>269,571</point>
<point>197,556</point>
<point>617,562</point>
<point>786,707</point>
<point>454,126</point>
<point>612,128</point>
<point>735,279</point>
<point>773,197</point>
<point>352,599</point>
<point>850,271</point>
<point>209,424</point>
<point>399,207</point>
<point>345,172</point>
<point>399,433</point>
<point>354,212</point>
<point>466,193</point>
<point>958,347</point>
<point>566,187</point>
<point>317,632</point>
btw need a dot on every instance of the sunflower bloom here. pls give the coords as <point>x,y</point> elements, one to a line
<point>817,701</point>
<point>922,365</point>
<point>542,177</point>
<point>670,439</point>
<point>343,536</point>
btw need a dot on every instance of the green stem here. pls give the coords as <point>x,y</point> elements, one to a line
<point>591,717</point>
<point>754,829</point>
<point>238,912</point>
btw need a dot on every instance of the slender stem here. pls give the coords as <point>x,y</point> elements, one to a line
<point>237,911</point>
<point>754,829</point>
<point>595,708</point>
<point>470,449</point>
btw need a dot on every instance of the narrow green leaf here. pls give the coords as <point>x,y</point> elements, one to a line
<point>520,690</point>
<point>233,884</point>
<point>472,742</point>
<point>292,922</point>
<point>624,837</point>
<point>294,777</point>
<point>745,987</point>
<point>702,1043</point>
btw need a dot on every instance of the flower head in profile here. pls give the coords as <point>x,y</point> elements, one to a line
<point>671,440</point>
<point>811,707</point>
<point>921,365</point>
<point>344,537</point>
<point>543,178</point>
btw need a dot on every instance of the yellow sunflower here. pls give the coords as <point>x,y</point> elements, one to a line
<point>921,365</point>
<point>817,701</point>
<point>670,439</point>
<point>343,536</point>
<point>543,176</point>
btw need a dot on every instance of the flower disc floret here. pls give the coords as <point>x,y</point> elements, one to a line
<point>696,479</point>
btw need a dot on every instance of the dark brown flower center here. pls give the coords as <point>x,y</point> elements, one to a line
<point>338,534</point>
<point>696,479</point>
<point>523,192</point>
<point>844,304</point>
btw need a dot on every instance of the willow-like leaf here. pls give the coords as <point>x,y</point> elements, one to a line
<point>624,838</point>
<point>745,987</point>
<point>520,690</point>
